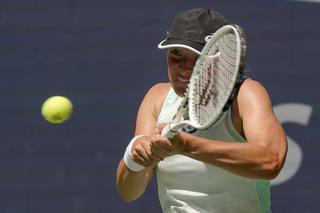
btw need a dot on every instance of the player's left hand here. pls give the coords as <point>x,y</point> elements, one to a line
<point>177,144</point>
<point>160,145</point>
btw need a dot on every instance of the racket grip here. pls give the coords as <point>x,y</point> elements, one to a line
<point>166,132</point>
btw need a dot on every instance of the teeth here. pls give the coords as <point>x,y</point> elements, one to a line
<point>183,80</point>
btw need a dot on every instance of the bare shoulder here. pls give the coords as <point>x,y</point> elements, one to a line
<point>253,86</point>
<point>159,89</point>
<point>253,96</point>
<point>253,89</point>
<point>158,92</point>
<point>156,95</point>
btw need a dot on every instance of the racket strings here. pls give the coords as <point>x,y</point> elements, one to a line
<point>228,59</point>
<point>215,80</point>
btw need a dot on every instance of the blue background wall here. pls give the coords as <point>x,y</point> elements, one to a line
<point>103,56</point>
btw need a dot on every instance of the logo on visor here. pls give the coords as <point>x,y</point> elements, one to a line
<point>207,38</point>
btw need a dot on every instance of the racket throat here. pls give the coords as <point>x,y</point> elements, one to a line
<point>176,127</point>
<point>171,129</point>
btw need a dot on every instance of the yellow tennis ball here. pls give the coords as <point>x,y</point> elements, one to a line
<point>57,109</point>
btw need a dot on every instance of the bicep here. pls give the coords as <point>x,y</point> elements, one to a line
<point>146,120</point>
<point>260,124</point>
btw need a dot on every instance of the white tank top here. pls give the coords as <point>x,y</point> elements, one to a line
<point>188,185</point>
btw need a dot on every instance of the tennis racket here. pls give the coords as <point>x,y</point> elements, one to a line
<point>214,82</point>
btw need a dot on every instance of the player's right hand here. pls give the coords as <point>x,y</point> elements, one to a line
<point>149,150</point>
<point>142,154</point>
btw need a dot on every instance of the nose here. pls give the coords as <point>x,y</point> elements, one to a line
<point>186,66</point>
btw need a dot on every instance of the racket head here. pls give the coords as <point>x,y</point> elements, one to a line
<point>215,75</point>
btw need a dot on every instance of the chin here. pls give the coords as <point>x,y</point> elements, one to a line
<point>180,91</point>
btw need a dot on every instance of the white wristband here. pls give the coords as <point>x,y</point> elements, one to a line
<point>127,158</point>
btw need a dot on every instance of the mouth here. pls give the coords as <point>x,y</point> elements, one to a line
<point>182,79</point>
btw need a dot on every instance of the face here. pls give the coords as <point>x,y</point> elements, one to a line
<point>180,65</point>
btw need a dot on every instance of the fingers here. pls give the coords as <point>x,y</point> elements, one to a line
<point>161,143</point>
<point>142,154</point>
<point>149,151</point>
<point>143,157</point>
<point>161,126</point>
<point>161,147</point>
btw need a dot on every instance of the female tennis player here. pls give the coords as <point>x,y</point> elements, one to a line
<point>223,168</point>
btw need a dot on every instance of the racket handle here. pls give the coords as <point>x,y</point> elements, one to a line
<point>166,132</point>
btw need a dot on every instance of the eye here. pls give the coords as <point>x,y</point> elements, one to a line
<point>176,54</point>
<point>195,59</point>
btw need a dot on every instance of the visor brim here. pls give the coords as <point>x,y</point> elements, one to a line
<point>190,45</point>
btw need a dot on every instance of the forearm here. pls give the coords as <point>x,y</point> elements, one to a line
<point>250,160</point>
<point>131,185</point>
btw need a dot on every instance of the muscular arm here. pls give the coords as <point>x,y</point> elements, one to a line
<point>262,156</point>
<point>131,185</point>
